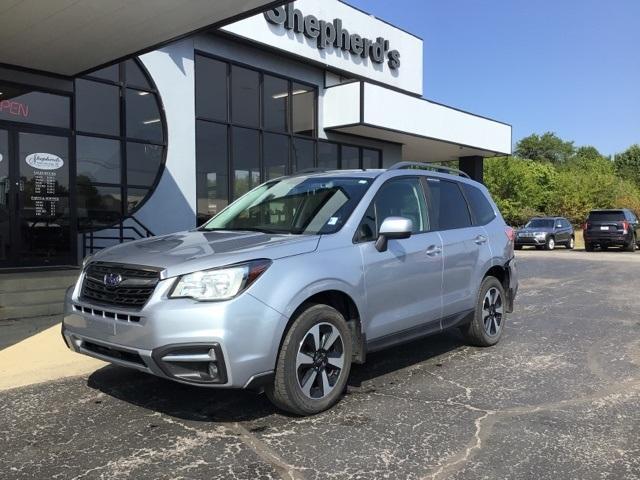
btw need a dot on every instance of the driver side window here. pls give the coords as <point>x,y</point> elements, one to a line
<point>401,197</point>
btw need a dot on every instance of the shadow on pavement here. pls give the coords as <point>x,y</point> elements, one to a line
<point>218,405</point>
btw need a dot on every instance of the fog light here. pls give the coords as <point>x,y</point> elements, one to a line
<point>213,371</point>
<point>192,363</point>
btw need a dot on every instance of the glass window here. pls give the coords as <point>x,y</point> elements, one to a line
<point>275,155</point>
<point>606,216</point>
<point>304,109</point>
<point>135,196</point>
<point>97,107</point>
<point>98,206</point>
<point>98,159</point>
<point>370,158</point>
<point>246,160</point>
<point>143,116</point>
<point>212,173</point>
<point>211,89</point>
<point>143,163</point>
<point>111,73</point>
<point>303,154</point>
<point>20,104</point>
<point>328,155</point>
<point>449,208</point>
<point>276,102</point>
<point>350,158</point>
<point>480,206</point>
<point>135,76</point>
<point>245,98</point>
<point>397,198</point>
<point>300,205</point>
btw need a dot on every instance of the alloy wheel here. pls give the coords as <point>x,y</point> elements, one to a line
<point>492,312</point>
<point>551,244</point>
<point>320,360</point>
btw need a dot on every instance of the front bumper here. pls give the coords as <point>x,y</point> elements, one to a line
<point>180,339</point>
<point>530,241</point>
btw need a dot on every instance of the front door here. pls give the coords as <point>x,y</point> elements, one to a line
<point>36,227</point>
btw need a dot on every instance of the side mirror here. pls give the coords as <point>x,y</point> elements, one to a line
<point>393,228</point>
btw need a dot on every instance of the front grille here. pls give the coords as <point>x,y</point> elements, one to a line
<point>114,353</point>
<point>133,291</point>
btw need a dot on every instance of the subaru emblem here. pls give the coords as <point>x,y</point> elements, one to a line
<point>112,280</point>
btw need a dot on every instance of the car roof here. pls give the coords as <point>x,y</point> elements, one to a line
<point>375,173</point>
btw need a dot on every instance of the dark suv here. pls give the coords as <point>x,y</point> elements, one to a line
<point>611,228</point>
<point>546,232</point>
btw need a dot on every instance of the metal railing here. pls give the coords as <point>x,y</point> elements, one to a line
<point>427,166</point>
<point>125,233</point>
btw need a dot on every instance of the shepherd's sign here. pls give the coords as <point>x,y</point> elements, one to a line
<point>333,34</point>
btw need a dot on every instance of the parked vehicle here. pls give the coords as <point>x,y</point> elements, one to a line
<point>611,228</point>
<point>546,232</point>
<point>299,278</point>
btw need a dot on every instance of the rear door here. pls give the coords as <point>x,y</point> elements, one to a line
<point>465,247</point>
<point>604,223</point>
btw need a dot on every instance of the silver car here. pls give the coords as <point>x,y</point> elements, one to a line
<point>298,279</point>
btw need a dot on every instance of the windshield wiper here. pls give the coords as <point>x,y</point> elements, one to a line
<point>247,229</point>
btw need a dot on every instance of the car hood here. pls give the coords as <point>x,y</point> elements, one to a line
<point>186,252</point>
<point>536,229</point>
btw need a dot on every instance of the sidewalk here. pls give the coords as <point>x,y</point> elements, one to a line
<point>41,358</point>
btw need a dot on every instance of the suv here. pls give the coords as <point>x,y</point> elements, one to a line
<point>546,232</point>
<point>607,228</point>
<point>301,277</point>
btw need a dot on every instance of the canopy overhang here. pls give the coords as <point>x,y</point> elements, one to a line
<point>427,131</point>
<point>69,37</point>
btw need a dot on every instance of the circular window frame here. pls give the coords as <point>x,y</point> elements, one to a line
<point>125,141</point>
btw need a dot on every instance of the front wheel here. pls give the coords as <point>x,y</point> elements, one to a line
<point>551,243</point>
<point>489,317</point>
<point>314,362</point>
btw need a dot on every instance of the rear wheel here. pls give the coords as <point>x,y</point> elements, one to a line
<point>551,243</point>
<point>631,246</point>
<point>314,362</point>
<point>488,321</point>
<point>571,244</point>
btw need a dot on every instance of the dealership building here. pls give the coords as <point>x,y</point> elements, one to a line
<point>117,124</point>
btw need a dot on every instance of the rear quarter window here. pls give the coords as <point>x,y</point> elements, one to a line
<point>479,204</point>
<point>448,205</point>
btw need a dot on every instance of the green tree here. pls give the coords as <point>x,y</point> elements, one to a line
<point>627,164</point>
<point>547,147</point>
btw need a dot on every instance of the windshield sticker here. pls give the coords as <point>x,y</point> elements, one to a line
<point>1,157</point>
<point>333,220</point>
<point>362,182</point>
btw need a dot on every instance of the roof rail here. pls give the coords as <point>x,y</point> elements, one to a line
<point>427,166</point>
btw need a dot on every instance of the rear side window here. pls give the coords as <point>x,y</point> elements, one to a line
<point>608,216</point>
<point>480,206</point>
<point>396,198</point>
<point>449,208</point>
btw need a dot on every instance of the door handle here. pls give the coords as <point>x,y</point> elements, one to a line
<point>434,250</point>
<point>480,239</point>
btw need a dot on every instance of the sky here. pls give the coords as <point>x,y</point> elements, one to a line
<point>567,66</point>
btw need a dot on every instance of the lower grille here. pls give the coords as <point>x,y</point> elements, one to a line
<point>132,289</point>
<point>113,353</point>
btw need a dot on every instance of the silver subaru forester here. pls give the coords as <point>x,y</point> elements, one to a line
<point>301,277</point>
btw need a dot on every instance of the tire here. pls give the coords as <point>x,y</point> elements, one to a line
<point>588,247</point>
<point>631,246</point>
<point>551,243</point>
<point>571,244</point>
<point>518,247</point>
<point>313,327</point>
<point>486,327</point>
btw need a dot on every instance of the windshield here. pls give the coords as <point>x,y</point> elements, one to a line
<point>539,223</point>
<point>298,205</point>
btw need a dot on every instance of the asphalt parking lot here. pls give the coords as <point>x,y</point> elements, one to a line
<point>558,398</point>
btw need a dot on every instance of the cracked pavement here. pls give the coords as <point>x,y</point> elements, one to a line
<point>557,398</point>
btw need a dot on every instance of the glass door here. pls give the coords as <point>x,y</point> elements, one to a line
<point>43,216</point>
<point>6,203</point>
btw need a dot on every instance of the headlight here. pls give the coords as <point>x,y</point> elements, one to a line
<point>540,234</point>
<point>220,283</point>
